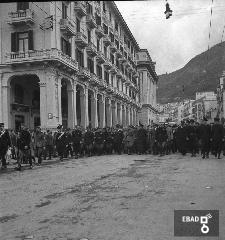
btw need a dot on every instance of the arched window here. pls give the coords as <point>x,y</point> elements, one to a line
<point>19,94</point>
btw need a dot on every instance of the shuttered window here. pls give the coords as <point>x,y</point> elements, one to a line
<point>80,57</point>
<point>22,5</point>
<point>22,41</point>
<point>65,47</point>
<point>90,65</point>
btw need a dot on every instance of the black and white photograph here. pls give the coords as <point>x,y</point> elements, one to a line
<point>112,120</point>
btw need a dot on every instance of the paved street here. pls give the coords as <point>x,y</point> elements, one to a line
<point>109,197</point>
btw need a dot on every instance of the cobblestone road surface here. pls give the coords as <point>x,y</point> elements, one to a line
<point>126,197</point>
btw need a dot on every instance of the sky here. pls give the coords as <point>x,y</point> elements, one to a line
<point>175,41</point>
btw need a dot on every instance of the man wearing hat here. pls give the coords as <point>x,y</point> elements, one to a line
<point>204,137</point>
<point>217,137</point>
<point>118,139</point>
<point>192,136</point>
<point>76,140</point>
<point>4,144</point>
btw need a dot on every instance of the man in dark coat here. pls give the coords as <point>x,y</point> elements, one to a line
<point>23,144</point>
<point>141,140</point>
<point>76,141</point>
<point>88,141</point>
<point>4,145</point>
<point>182,138</point>
<point>118,137</point>
<point>99,141</point>
<point>217,137</point>
<point>204,136</point>
<point>161,138</point>
<point>192,135</point>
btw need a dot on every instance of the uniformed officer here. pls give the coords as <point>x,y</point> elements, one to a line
<point>192,135</point>
<point>4,145</point>
<point>141,139</point>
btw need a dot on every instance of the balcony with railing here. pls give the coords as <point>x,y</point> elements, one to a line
<point>106,40</point>
<point>91,22</point>
<point>80,8</point>
<point>99,31</point>
<point>122,59</point>
<point>67,27</point>
<point>107,64</point>
<point>44,55</point>
<point>109,88</point>
<point>113,47</point>
<point>81,39</point>
<point>114,69</point>
<point>103,84</point>
<point>95,80</point>
<point>84,73</point>
<point>91,49</point>
<point>100,58</point>
<point>119,53</point>
<point>21,17</point>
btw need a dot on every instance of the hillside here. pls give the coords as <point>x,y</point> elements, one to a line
<point>201,73</point>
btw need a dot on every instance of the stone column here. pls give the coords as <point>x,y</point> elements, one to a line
<point>43,104</point>
<point>75,103</point>
<point>94,110</point>
<point>128,116</point>
<point>84,108</point>
<point>70,93</point>
<point>59,105</point>
<point>1,112</point>
<point>102,112</point>
<point>114,114</point>
<point>109,113</point>
<point>6,106</point>
<point>123,116</point>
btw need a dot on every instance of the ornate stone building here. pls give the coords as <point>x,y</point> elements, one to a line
<point>71,63</point>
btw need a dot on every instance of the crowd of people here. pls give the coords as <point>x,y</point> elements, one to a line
<point>33,146</point>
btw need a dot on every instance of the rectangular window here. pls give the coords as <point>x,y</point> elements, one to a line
<point>117,84</point>
<point>65,46</point>
<point>112,80</point>
<point>121,49</point>
<point>98,44</point>
<point>99,71</point>
<point>105,28</point>
<point>78,25</point>
<point>98,20</point>
<point>116,26</point>
<point>90,65</point>
<point>80,57</point>
<point>111,37</point>
<point>105,51</point>
<point>22,5</point>
<point>104,9</point>
<point>106,76</point>
<point>89,9</point>
<point>64,11</point>
<point>128,44</point>
<point>22,41</point>
<point>89,35</point>
<point>112,58</point>
<point>110,17</point>
<point>117,44</point>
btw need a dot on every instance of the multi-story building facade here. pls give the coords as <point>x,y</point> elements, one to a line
<point>148,84</point>
<point>70,63</point>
